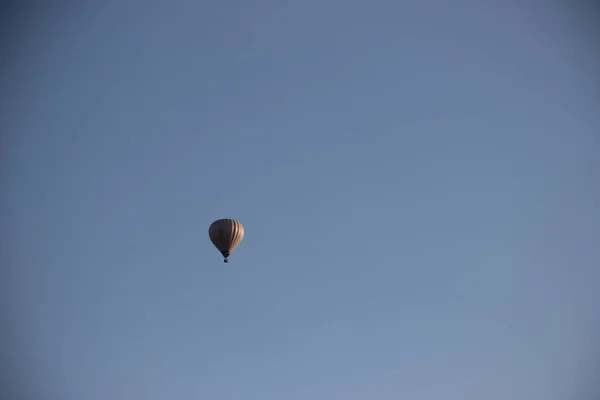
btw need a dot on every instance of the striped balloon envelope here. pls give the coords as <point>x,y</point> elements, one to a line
<point>226,234</point>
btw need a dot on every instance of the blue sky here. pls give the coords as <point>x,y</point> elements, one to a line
<point>418,182</point>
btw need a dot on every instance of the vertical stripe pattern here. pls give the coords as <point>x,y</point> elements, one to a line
<point>226,234</point>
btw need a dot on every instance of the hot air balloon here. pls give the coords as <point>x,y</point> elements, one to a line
<point>226,234</point>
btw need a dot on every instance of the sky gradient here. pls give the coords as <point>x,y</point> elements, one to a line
<point>418,182</point>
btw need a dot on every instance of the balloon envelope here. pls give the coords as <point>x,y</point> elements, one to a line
<point>226,234</point>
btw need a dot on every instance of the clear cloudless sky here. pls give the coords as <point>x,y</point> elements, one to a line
<point>418,180</point>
